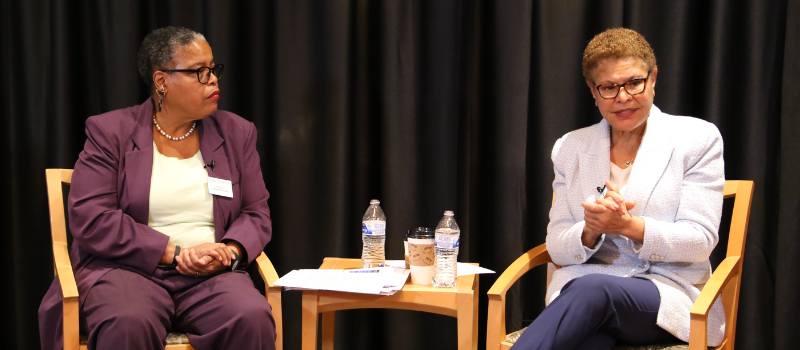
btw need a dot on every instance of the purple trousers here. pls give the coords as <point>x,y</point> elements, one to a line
<point>126,310</point>
<point>597,312</point>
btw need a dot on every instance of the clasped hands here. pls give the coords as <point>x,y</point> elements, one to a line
<point>610,215</point>
<point>205,259</point>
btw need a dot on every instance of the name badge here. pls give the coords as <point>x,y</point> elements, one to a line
<point>220,187</point>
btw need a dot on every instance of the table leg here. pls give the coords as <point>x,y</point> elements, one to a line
<point>310,315</point>
<point>475,292</point>
<point>466,318</point>
<point>328,322</point>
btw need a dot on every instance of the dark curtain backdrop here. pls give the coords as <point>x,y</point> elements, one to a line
<point>426,105</point>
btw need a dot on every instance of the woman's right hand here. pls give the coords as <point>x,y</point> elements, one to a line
<point>204,259</point>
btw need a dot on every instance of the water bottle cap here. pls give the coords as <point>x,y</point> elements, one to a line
<point>448,213</point>
<point>374,201</point>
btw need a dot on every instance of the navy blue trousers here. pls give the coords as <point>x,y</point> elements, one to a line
<point>597,312</point>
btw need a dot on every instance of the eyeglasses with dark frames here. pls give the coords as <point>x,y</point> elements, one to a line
<point>203,73</point>
<point>632,87</point>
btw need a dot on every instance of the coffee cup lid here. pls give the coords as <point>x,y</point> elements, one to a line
<point>420,233</point>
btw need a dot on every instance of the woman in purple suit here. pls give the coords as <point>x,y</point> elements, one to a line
<point>167,207</point>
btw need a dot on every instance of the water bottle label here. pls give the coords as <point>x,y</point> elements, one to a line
<point>373,228</point>
<point>449,242</point>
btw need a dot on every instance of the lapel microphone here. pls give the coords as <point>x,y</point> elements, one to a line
<point>212,165</point>
<point>601,190</point>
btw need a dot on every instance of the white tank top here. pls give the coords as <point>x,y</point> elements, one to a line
<point>180,205</point>
<point>620,177</point>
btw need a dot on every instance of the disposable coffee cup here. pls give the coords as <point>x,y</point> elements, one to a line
<point>420,255</point>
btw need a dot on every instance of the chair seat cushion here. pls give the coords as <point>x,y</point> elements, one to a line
<point>173,338</point>
<point>512,338</point>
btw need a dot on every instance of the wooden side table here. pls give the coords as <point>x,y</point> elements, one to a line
<point>460,301</point>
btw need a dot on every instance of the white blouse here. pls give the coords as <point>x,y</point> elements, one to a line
<point>180,205</point>
<point>620,177</point>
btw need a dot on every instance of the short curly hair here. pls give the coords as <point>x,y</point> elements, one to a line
<point>159,47</point>
<point>617,43</point>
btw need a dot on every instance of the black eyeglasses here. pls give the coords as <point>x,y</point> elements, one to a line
<point>203,73</point>
<point>633,87</point>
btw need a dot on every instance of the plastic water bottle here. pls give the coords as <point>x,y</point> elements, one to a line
<point>447,238</point>
<point>373,234</point>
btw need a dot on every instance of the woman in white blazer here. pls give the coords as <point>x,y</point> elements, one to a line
<point>636,213</point>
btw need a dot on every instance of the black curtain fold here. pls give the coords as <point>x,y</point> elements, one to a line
<point>425,105</point>
<point>786,302</point>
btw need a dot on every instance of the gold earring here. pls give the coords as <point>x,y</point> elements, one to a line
<point>161,94</point>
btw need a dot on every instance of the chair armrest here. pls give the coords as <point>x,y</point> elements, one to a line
<point>698,331</point>
<point>496,319</point>
<point>69,288</point>
<point>266,270</point>
<point>69,291</point>
<point>269,275</point>
<point>532,258</point>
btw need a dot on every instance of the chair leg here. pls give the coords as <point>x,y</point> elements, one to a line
<point>71,325</point>
<point>274,299</point>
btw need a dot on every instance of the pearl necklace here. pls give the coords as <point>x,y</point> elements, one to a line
<point>173,138</point>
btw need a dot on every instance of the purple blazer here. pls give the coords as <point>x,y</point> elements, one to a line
<point>110,193</point>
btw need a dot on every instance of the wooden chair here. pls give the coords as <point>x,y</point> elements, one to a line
<point>725,281</point>
<point>69,289</point>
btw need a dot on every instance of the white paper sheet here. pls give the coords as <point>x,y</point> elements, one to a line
<point>463,269</point>
<point>384,280</point>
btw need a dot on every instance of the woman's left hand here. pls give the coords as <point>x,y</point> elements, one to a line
<point>614,201</point>
<point>190,264</point>
<point>604,216</point>
<point>610,215</point>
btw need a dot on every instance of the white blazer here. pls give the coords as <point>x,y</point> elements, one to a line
<point>676,182</point>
